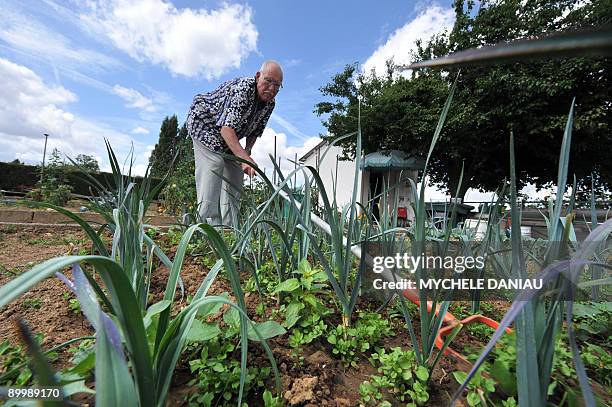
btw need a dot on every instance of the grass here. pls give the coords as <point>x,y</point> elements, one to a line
<point>55,241</point>
<point>11,272</point>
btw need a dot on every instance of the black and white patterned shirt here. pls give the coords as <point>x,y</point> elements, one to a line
<point>233,104</point>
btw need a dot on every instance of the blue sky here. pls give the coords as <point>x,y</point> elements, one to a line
<point>82,70</point>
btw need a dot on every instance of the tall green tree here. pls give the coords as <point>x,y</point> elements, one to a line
<point>88,162</point>
<point>166,147</point>
<point>530,99</point>
<point>54,187</point>
<point>55,170</point>
<point>179,194</point>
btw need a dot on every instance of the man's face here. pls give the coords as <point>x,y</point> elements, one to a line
<point>269,81</point>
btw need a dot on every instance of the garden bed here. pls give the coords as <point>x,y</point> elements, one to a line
<point>310,374</point>
<point>21,214</point>
<point>314,376</point>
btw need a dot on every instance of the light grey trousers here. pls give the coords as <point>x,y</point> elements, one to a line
<point>218,200</point>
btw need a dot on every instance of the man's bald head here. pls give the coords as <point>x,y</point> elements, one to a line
<point>269,80</point>
<point>271,66</point>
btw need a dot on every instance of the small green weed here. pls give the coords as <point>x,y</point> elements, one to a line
<point>9,229</point>
<point>83,361</point>
<point>304,311</point>
<point>479,389</point>
<point>488,309</point>
<point>14,370</point>
<point>217,374</point>
<point>271,401</point>
<point>600,361</point>
<point>594,321</point>
<point>32,303</point>
<point>368,330</point>
<point>309,329</point>
<point>400,375</point>
<point>173,235</point>
<point>214,363</point>
<point>10,358</point>
<point>73,304</point>
<point>480,331</point>
<point>14,271</point>
<point>152,232</point>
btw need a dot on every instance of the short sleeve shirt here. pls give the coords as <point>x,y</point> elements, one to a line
<point>233,104</point>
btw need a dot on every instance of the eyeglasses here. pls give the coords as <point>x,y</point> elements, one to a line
<point>272,83</point>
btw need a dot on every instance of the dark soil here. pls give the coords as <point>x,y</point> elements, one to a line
<point>44,307</point>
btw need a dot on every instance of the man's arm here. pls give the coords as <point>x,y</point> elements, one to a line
<point>231,139</point>
<point>250,142</point>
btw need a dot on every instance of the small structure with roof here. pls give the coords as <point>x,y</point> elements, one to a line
<point>392,171</point>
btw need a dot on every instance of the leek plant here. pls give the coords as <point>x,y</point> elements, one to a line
<point>430,320</point>
<point>153,338</point>
<point>341,223</point>
<point>490,242</point>
<point>387,238</point>
<point>421,240</point>
<point>258,231</point>
<point>269,227</point>
<point>538,319</point>
<point>122,206</point>
<point>345,231</point>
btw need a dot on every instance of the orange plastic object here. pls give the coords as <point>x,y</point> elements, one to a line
<point>450,322</point>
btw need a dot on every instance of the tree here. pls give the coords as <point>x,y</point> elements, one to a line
<point>87,162</point>
<point>16,161</point>
<point>179,194</point>
<point>54,187</point>
<point>55,169</point>
<point>531,99</point>
<point>166,148</point>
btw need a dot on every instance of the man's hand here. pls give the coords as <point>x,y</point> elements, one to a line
<point>231,139</point>
<point>248,170</point>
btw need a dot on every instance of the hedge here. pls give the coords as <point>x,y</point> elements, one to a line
<point>22,178</point>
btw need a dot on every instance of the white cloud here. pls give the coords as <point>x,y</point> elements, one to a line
<point>399,44</point>
<point>291,63</point>
<point>294,131</point>
<point>141,167</point>
<point>187,42</point>
<point>134,98</point>
<point>30,37</point>
<point>264,147</point>
<point>29,108</point>
<point>139,130</point>
<point>435,193</point>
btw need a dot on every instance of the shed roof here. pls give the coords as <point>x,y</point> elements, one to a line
<point>392,160</point>
<point>312,150</point>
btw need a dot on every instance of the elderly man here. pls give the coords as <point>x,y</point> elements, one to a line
<point>239,108</point>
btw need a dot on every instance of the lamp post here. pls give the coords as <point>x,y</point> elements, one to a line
<point>42,172</point>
